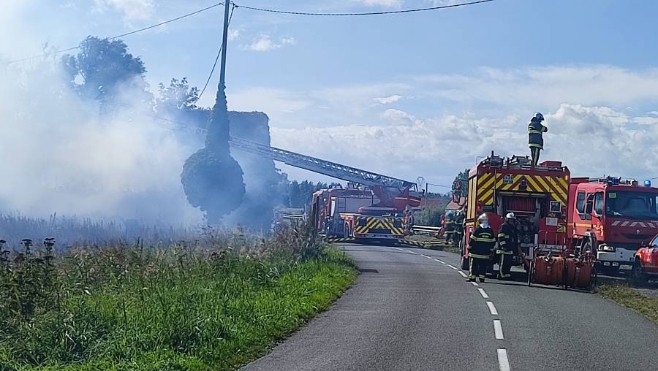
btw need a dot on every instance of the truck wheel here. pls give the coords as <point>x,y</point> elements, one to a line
<point>464,263</point>
<point>592,279</point>
<point>531,271</point>
<point>611,271</point>
<point>637,274</point>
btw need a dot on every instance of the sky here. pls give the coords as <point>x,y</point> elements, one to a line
<point>409,95</point>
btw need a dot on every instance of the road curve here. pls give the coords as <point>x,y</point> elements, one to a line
<point>411,309</point>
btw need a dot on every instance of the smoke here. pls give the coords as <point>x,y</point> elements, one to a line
<point>60,155</point>
<point>263,191</point>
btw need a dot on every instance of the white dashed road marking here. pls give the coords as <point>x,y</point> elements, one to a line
<point>503,362</point>
<point>463,274</point>
<point>484,294</point>
<point>452,266</point>
<point>492,308</point>
<point>498,330</point>
<point>474,284</point>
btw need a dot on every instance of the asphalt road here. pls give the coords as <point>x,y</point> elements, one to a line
<point>411,309</point>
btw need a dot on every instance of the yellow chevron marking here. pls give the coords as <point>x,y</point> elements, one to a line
<point>487,197</point>
<point>486,182</point>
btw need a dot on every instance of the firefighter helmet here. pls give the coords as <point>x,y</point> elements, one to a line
<point>539,116</point>
<point>510,216</point>
<point>483,218</point>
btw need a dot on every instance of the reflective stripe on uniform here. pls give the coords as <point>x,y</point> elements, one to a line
<point>504,252</point>
<point>478,256</point>
<point>483,239</point>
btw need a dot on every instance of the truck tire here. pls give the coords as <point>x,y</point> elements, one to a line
<point>638,276</point>
<point>464,261</point>
<point>610,271</point>
<point>592,279</point>
<point>530,272</point>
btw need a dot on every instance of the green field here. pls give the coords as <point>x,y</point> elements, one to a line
<point>185,307</point>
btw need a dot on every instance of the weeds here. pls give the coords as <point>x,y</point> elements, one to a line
<point>630,298</point>
<point>214,303</point>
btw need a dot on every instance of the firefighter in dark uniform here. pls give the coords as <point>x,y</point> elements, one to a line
<point>459,228</point>
<point>535,139</point>
<point>480,246</point>
<point>450,228</point>
<point>508,243</point>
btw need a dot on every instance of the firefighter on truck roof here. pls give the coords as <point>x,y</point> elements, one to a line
<point>535,139</point>
<point>508,243</point>
<point>480,246</point>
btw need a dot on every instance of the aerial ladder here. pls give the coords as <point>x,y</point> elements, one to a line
<point>391,192</point>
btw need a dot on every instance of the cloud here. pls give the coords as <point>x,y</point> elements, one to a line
<point>268,100</point>
<point>265,43</point>
<point>132,9</point>
<point>388,100</point>
<point>233,34</point>
<point>591,141</point>
<point>600,119</point>
<point>547,86</point>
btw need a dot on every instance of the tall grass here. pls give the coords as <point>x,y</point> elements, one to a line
<point>211,304</point>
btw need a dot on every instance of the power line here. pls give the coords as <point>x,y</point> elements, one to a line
<point>123,34</point>
<point>414,10</point>
<point>439,185</point>
<point>219,52</point>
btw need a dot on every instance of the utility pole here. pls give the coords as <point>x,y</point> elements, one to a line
<point>222,71</point>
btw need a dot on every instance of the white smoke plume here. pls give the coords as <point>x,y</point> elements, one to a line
<point>59,155</point>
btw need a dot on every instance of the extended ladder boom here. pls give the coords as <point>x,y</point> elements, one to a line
<point>317,165</point>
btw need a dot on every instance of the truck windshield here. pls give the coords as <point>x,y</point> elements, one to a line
<point>633,205</point>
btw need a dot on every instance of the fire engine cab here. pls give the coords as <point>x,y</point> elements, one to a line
<point>612,217</point>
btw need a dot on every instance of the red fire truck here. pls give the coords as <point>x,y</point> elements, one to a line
<point>536,195</point>
<point>356,212</point>
<point>612,217</point>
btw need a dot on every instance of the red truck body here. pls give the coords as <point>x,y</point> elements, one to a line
<point>613,217</point>
<point>536,195</point>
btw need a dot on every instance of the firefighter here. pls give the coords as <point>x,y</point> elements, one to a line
<point>480,246</point>
<point>535,139</point>
<point>508,243</point>
<point>450,228</point>
<point>459,227</point>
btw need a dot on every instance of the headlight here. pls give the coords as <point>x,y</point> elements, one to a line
<point>606,248</point>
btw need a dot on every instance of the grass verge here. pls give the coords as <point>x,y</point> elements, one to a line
<point>630,298</point>
<point>132,308</point>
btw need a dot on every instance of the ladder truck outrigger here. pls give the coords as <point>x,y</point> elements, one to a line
<point>538,196</point>
<point>372,207</point>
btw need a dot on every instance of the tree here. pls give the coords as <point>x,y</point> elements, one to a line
<point>102,68</point>
<point>460,186</point>
<point>176,97</point>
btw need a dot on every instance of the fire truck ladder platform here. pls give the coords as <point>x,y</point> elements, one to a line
<point>317,165</point>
